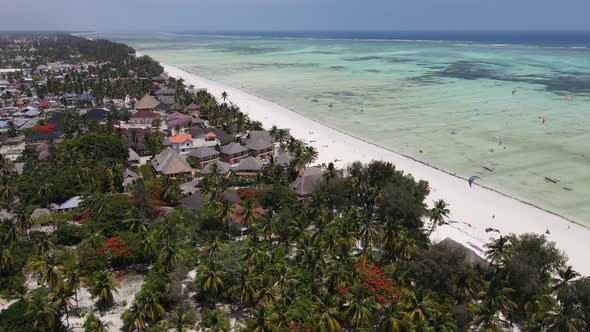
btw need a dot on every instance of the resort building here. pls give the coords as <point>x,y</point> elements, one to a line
<point>133,158</point>
<point>308,181</point>
<point>203,156</point>
<point>143,117</point>
<point>217,167</point>
<point>260,148</point>
<point>181,143</point>
<point>249,166</point>
<point>171,164</point>
<point>147,103</point>
<point>233,153</point>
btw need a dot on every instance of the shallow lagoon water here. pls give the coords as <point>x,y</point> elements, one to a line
<point>449,104</point>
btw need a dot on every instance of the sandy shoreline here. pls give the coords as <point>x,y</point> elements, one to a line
<point>472,209</point>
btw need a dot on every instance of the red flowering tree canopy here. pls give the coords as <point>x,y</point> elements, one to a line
<point>48,128</point>
<point>373,281</point>
<point>117,247</point>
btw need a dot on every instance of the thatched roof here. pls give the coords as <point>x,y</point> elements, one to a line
<point>147,103</point>
<point>169,162</point>
<point>250,164</point>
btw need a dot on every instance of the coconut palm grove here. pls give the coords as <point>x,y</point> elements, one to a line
<point>113,219</point>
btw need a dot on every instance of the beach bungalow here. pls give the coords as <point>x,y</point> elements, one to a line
<point>308,181</point>
<point>147,103</point>
<point>68,205</point>
<point>189,188</point>
<point>171,164</point>
<point>143,117</point>
<point>179,121</point>
<point>249,166</point>
<point>260,148</point>
<point>133,158</point>
<point>233,153</point>
<point>129,178</point>
<point>203,156</point>
<point>284,159</point>
<point>217,167</point>
<point>222,136</point>
<point>193,109</point>
<point>196,201</point>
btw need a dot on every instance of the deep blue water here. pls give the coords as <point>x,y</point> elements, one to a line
<point>533,38</point>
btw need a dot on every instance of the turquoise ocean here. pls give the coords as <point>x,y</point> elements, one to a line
<point>469,106</point>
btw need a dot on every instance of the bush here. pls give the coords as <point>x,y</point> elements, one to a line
<point>13,318</point>
<point>68,235</point>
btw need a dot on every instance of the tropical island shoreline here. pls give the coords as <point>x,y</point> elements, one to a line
<point>473,209</point>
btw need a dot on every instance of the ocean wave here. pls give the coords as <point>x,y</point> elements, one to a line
<point>457,43</point>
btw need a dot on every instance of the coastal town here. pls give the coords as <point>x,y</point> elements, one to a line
<point>134,201</point>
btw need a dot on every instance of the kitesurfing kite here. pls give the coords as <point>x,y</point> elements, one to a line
<point>489,229</point>
<point>472,179</point>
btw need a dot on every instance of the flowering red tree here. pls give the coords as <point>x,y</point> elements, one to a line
<point>117,247</point>
<point>372,280</point>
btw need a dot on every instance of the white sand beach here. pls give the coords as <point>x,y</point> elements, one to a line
<point>472,208</point>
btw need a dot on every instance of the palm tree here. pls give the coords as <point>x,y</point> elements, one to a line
<point>7,193</point>
<point>360,312</point>
<point>329,320</point>
<point>6,259</point>
<point>74,282</point>
<point>393,321</point>
<point>281,136</point>
<point>182,319</point>
<point>565,318</point>
<point>61,297</point>
<point>331,172</point>
<point>134,318</point>
<point>438,213</point>
<point>48,269</point>
<point>249,214</point>
<point>245,288</point>
<point>44,314</point>
<point>94,324</point>
<point>418,306</point>
<point>137,224</point>
<point>264,319</point>
<point>10,231</point>
<point>497,250</point>
<point>45,193</point>
<point>224,96</point>
<point>269,226</point>
<point>487,319</point>
<point>225,214</point>
<point>212,247</point>
<point>44,245</point>
<point>215,321</point>
<point>564,278</point>
<point>212,280</point>
<point>149,302</point>
<point>103,286</point>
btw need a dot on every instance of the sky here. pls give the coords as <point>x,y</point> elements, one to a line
<point>294,15</point>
